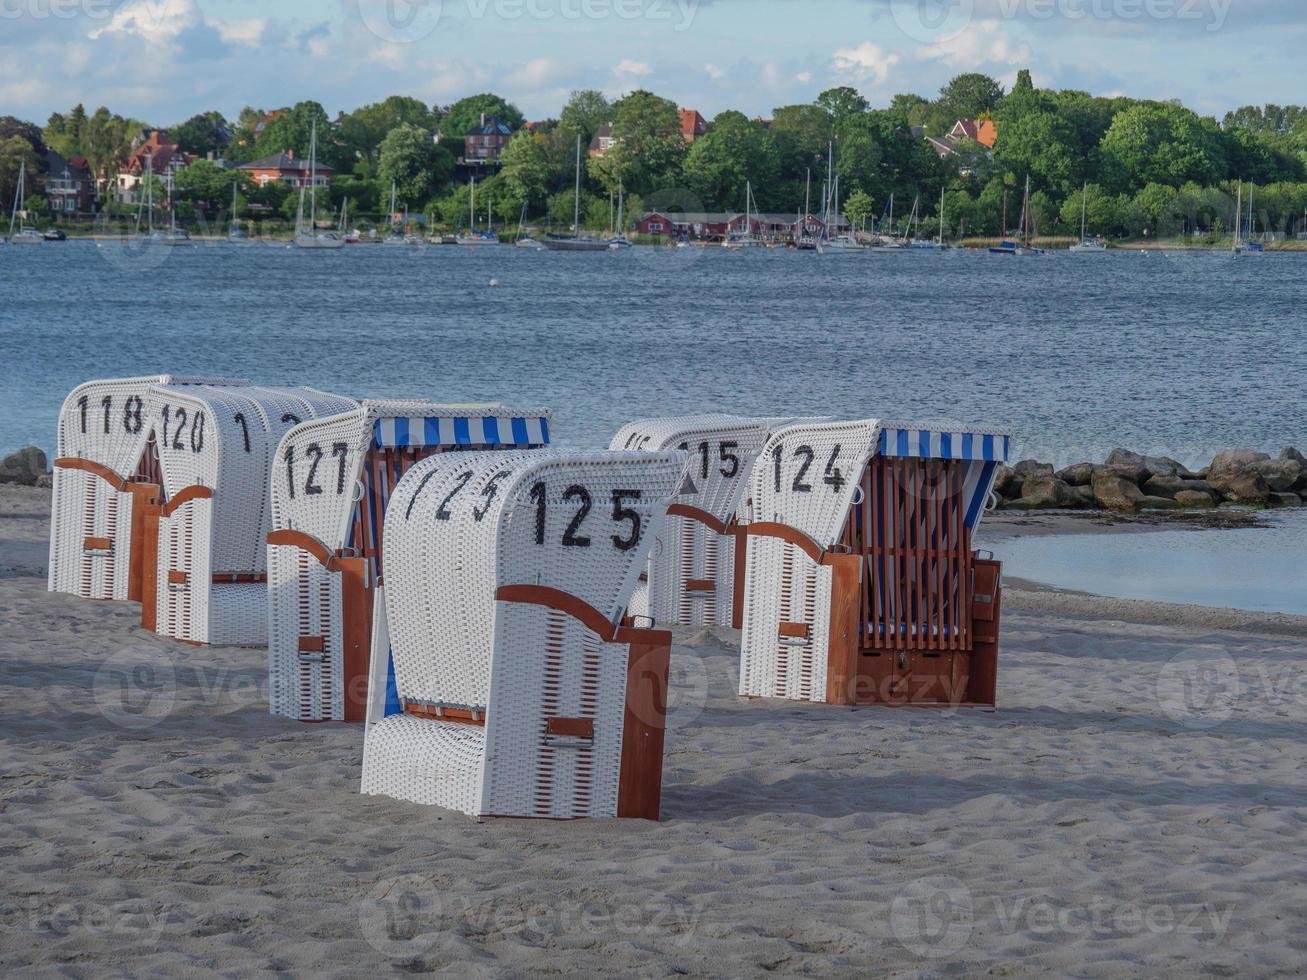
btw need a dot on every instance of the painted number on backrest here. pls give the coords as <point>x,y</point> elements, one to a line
<point>832,476</point>
<point>313,454</point>
<point>178,434</point>
<point>132,420</point>
<point>728,461</point>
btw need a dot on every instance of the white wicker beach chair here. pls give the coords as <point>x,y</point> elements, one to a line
<point>521,691</point>
<point>860,582</point>
<point>106,470</point>
<point>215,451</point>
<point>690,578</point>
<point>325,548</point>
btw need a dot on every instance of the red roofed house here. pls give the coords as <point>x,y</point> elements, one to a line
<point>288,168</point>
<point>157,153</point>
<point>693,125</point>
<point>602,141</point>
<point>983,131</point>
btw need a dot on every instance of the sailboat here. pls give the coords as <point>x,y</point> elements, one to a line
<point>1087,244</point>
<point>840,244</point>
<point>882,239</point>
<point>917,243</point>
<point>235,233</point>
<point>310,237</point>
<point>1244,245</point>
<point>802,240</point>
<point>747,240</point>
<point>395,237</point>
<point>24,235</point>
<point>619,239</point>
<point>576,242</point>
<point>1024,247</point>
<point>472,236</point>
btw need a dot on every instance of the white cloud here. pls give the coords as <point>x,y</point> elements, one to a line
<point>804,76</point>
<point>153,20</point>
<point>868,62</point>
<point>715,72</point>
<point>244,32</point>
<point>628,66</point>
<point>984,43</point>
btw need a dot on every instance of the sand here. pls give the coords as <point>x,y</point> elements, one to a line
<point>1137,805</point>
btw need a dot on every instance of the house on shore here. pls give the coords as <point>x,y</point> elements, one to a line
<point>154,152</point>
<point>716,226</point>
<point>69,184</point>
<point>484,144</point>
<point>287,168</point>
<point>691,122</point>
<point>982,131</point>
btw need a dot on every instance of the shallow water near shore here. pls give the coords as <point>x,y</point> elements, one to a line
<point>1261,569</point>
<point>1177,353</point>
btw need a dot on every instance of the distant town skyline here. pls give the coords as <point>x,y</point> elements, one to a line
<point>165,60</point>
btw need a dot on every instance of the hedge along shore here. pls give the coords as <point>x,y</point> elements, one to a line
<point>1130,482</point>
<point>1125,482</point>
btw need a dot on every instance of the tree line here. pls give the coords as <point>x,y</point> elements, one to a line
<point>1145,167</point>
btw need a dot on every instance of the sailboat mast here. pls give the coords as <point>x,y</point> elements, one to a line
<point>18,192</point>
<point>576,202</point>
<point>149,193</point>
<point>1238,215</point>
<point>1084,201</point>
<point>941,217</point>
<point>1251,188</point>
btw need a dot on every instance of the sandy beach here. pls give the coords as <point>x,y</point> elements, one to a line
<point>1137,805</point>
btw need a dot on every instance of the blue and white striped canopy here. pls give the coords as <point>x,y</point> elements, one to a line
<point>461,430</point>
<point>936,444</point>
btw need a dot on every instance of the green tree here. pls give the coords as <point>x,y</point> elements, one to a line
<point>1039,144</point>
<point>466,113</point>
<point>292,131</point>
<point>527,169</point>
<point>417,166</point>
<point>585,112</point>
<point>1159,143</point>
<point>802,133</point>
<point>969,96</point>
<point>1102,211</point>
<point>206,185</point>
<point>842,104</point>
<point>731,154</point>
<point>205,133</point>
<point>362,131</point>
<point>14,152</point>
<point>859,208</point>
<point>649,148</point>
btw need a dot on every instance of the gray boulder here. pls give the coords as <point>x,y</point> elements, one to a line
<point>1239,486</point>
<point>1280,474</point>
<point>1115,492</point>
<point>1196,498</point>
<point>1236,458</point>
<point>1047,493</point>
<point>1294,455</point>
<point>1155,465</point>
<point>1284,499</point>
<point>24,467</point>
<point>1032,467</point>
<point>1161,503</point>
<point>1006,482</point>
<point>1134,473</point>
<point>1169,486</point>
<point>1077,474</point>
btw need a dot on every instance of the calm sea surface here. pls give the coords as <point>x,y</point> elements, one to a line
<point>1178,353</point>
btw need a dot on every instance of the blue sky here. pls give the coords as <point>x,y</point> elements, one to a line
<point>164,60</point>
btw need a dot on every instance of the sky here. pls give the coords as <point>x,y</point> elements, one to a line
<point>162,61</point>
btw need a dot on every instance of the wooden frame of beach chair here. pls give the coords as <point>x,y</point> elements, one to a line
<point>215,451</point>
<point>861,586</point>
<point>691,574</point>
<point>106,473</point>
<point>325,548</point>
<point>521,692</point>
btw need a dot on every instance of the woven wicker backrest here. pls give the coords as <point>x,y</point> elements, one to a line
<point>109,421</point>
<point>461,525</point>
<point>722,450</point>
<point>223,438</point>
<point>807,475</point>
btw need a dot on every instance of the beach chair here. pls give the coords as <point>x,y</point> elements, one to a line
<point>325,546</point>
<point>215,451</point>
<point>861,585</point>
<point>520,690</point>
<point>690,576</point>
<point>106,470</point>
